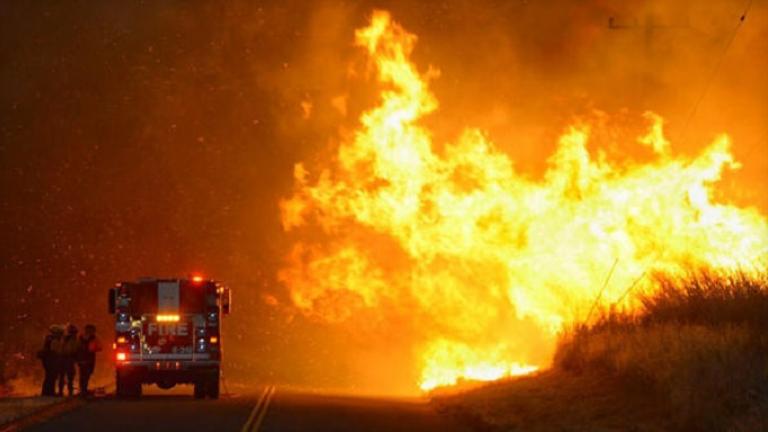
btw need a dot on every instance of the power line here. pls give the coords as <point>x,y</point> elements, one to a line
<point>600,294</point>
<point>631,286</point>
<point>716,69</point>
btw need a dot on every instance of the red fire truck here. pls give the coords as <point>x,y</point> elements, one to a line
<point>168,332</point>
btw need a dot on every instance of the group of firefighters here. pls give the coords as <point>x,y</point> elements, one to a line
<point>63,349</point>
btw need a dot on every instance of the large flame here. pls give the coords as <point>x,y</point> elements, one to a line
<point>486,264</point>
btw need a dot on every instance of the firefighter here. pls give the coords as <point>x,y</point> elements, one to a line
<point>86,359</point>
<point>49,356</point>
<point>69,353</point>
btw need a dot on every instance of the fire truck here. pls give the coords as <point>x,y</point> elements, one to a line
<point>168,332</point>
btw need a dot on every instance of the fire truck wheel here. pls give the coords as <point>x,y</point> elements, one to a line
<point>200,389</point>
<point>127,386</point>
<point>213,387</point>
<point>121,389</point>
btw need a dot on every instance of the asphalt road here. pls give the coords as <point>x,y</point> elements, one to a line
<point>267,409</point>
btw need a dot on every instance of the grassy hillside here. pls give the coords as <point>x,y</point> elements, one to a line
<point>693,357</point>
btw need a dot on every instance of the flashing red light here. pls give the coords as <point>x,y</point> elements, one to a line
<point>121,356</point>
<point>197,279</point>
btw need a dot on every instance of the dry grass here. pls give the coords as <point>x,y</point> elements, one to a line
<point>700,342</point>
<point>694,357</point>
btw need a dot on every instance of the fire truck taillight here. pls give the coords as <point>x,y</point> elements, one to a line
<point>121,339</point>
<point>167,318</point>
<point>121,356</point>
<point>214,339</point>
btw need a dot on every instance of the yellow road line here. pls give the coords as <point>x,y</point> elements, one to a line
<point>264,409</point>
<point>247,427</point>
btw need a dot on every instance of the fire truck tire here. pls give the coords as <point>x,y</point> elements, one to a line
<point>213,387</point>
<point>200,389</point>
<point>127,387</point>
<point>121,390</point>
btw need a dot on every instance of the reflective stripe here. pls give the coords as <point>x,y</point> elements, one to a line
<point>168,366</point>
<point>168,356</point>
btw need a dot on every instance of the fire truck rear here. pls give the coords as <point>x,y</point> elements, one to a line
<point>168,332</point>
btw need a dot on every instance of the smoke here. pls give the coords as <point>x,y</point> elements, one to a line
<point>697,65</point>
